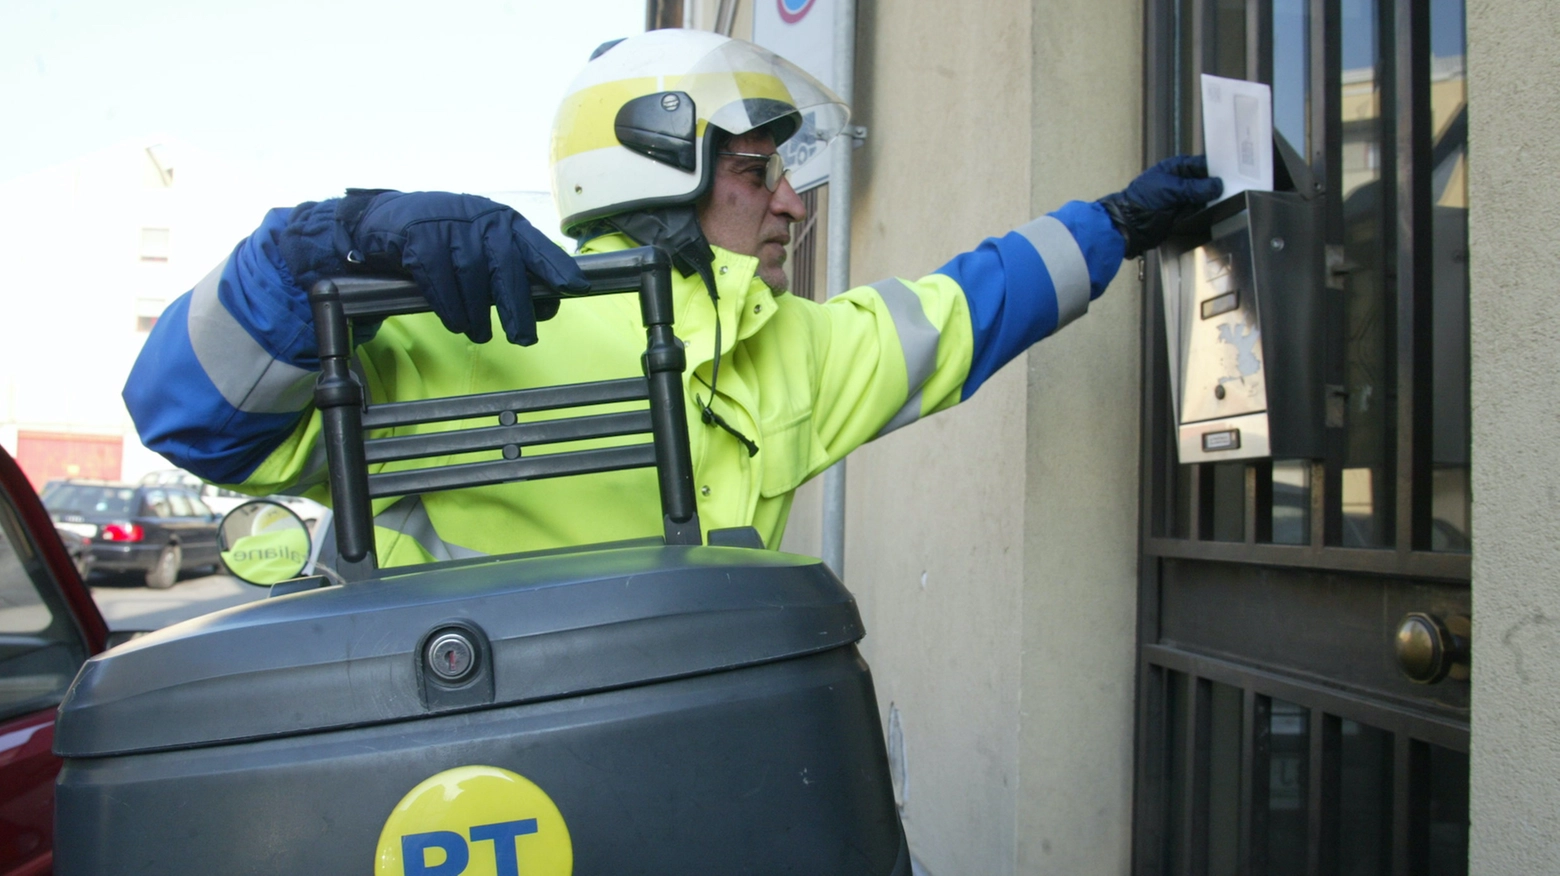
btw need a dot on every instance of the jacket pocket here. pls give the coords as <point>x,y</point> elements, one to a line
<point>786,455</point>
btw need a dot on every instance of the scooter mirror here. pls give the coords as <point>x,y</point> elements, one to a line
<point>264,542</point>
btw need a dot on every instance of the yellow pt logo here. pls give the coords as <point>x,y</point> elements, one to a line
<point>475,821</point>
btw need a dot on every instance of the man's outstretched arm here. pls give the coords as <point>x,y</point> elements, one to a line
<point>953,329</point>
<point>1023,287</point>
<point>228,370</point>
<point>226,376</point>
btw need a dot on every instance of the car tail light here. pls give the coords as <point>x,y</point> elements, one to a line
<point>123,532</point>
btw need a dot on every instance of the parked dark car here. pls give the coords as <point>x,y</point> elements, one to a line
<point>49,626</point>
<point>159,531</point>
<point>79,547</point>
<point>218,499</point>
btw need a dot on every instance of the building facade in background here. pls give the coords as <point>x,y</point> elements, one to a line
<point>93,250</point>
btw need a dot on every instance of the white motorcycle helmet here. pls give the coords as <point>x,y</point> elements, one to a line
<point>636,130</point>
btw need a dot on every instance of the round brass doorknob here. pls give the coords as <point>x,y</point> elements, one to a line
<point>1427,651</point>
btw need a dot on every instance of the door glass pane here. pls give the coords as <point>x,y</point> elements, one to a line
<point>1292,73</point>
<point>1289,744</point>
<point>1448,852</point>
<point>1291,501</point>
<point>1229,38</point>
<point>1224,781</point>
<point>1368,304</point>
<point>1223,53</point>
<point>1365,798</point>
<point>1450,495</point>
<point>1229,501</point>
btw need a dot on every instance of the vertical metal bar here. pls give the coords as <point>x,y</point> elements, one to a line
<point>1198,730</point>
<point>1149,796</point>
<point>1416,313</point>
<point>1322,793</point>
<point>1248,761</point>
<point>838,261</point>
<point>1386,489</point>
<point>664,364</point>
<point>725,17</point>
<point>339,398</point>
<point>1259,41</point>
<point>1248,525</point>
<point>1202,54</point>
<point>1327,166</point>
<point>1326,118</point>
<point>1254,39</point>
<point>1157,460</point>
<point>1194,500</point>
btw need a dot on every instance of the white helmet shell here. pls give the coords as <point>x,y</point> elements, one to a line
<point>611,155</point>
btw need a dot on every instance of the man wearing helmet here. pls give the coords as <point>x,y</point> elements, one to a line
<point>675,139</point>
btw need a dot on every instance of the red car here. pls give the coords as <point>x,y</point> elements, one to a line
<point>49,626</point>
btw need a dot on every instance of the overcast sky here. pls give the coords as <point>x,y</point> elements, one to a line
<point>317,95</point>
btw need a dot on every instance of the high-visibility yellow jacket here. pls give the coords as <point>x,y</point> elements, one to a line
<point>222,387</point>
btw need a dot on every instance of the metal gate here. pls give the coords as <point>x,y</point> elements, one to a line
<point>1285,603</point>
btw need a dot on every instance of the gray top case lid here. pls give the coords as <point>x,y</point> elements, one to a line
<point>556,625</point>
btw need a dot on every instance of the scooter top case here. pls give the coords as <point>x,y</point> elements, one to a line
<point>662,706</point>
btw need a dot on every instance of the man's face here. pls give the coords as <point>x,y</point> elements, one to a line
<point>740,215</point>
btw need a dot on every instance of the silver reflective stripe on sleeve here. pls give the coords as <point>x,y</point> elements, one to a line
<point>1064,260</point>
<point>917,338</point>
<point>246,375</point>
<point>408,517</point>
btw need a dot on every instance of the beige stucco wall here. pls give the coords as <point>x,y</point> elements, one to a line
<point>1514,152</point>
<point>1081,485</point>
<point>934,529</point>
<point>993,548</point>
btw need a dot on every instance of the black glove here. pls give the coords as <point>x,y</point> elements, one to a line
<point>467,253</point>
<point>1165,193</point>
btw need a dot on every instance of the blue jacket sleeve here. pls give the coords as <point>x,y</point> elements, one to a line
<point>1024,286</point>
<point>229,368</point>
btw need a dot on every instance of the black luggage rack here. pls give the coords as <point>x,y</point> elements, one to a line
<point>346,413</point>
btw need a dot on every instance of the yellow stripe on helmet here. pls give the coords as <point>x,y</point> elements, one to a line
<point>585,118</point>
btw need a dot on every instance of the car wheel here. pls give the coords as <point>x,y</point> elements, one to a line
<point>166,571</point>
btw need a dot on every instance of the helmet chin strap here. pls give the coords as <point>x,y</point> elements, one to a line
<point>673,229</point>
<point>676,230</point>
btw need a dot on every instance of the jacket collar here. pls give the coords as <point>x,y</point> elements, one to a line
<point>746,303</point>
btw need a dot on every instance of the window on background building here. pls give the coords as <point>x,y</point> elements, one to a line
<point>146,312</point>
<point>154,244</point>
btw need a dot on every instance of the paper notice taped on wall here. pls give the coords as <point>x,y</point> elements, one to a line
<point>1238,133</point>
